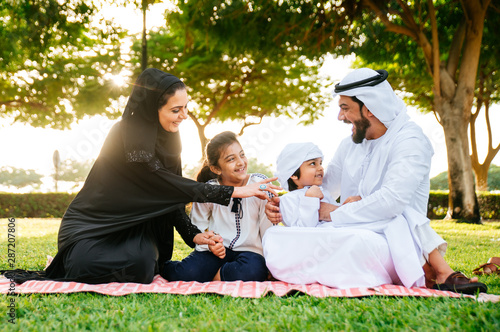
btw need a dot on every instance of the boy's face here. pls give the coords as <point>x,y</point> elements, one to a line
<point>311,173</point>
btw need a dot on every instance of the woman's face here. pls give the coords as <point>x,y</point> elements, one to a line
<point>174,111</point>
<point>232,166</point>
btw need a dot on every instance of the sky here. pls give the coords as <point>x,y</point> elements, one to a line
<point>26,147</point>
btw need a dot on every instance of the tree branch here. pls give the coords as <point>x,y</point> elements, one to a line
<point>248,124</point>
<point>412,30</point>
<point>455,50</point>
<point>388,24</point>
<point>17,103</point>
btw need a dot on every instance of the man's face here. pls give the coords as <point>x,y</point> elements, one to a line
<point>350,112</point>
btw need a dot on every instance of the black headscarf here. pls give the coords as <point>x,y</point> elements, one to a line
<point>142,127</point>
<point>137,176</point>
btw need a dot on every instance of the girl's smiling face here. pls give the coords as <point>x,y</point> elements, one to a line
<point>232,166</point>
<point>311,173</point>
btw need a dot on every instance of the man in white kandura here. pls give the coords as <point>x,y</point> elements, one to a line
<point>381,174</point>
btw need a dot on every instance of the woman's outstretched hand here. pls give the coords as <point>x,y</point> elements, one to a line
<point>257,189</point>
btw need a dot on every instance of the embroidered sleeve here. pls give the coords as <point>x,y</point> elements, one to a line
<point>215,194</point>
<point>185,227</point>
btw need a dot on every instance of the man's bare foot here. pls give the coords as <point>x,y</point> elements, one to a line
<point>430,275</point>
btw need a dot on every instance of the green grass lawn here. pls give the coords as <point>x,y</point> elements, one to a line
<point>469,246</point>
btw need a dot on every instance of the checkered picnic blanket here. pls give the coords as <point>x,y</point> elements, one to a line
<point>234,289</point>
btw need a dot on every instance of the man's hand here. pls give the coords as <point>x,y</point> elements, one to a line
<point>218,249</point>
<point>273,210</point>
<point>351,199</point>
<point>314,191</point>
<point>324,211</point>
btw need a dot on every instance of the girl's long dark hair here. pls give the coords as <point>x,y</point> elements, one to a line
<point>212,154</point>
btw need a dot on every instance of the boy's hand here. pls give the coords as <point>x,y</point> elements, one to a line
<point>218,248</point>
<point>314,191</point>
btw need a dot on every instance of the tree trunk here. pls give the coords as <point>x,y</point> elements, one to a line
<point>144,60</point>
<point>201,134</point>
<point>463,204</point>
<point>481,175</point>
<point>481,170</point>
<point>204,141</point>
<point>454,95</point>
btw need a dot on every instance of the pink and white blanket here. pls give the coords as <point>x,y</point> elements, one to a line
<point>234,289</point>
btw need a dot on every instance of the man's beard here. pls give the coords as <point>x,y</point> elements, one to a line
<point>360,129</point>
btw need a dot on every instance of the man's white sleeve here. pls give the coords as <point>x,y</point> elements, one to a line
<point>408,165</point>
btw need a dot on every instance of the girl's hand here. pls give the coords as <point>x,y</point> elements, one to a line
<point>257,189</point>
<point>314,191</point>
<point>204,238</point>
<point>218,248</point>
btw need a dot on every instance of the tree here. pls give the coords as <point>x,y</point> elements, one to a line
<point>19,178</point>
<point>57,63</point>
<point>448,52</point>
<point>74,171</point>
<point>393,52</point>
<point>226,84</point>
<point>440,181</point>
<point>143,5</point>
<point>70,170</point>
<point>487,93</point>
<point>447,38</point>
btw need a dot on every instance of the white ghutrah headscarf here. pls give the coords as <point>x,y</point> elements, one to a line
<point>380,99</point>
<point>291,157</point>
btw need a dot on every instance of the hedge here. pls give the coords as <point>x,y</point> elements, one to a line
<point>489,205</point>
<point>34,205</point>
<point>54,205</point>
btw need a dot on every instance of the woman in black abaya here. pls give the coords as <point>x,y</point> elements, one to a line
<point>120,227</point>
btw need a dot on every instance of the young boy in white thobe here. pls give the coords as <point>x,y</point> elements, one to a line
<point>300,171</point>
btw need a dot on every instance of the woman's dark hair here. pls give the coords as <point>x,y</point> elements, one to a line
<point>360,103</point>
<point>212,154</point>
<point>291,185</point>
<point>163,100</point>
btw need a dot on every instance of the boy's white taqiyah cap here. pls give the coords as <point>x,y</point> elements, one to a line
<point>291,157</point>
